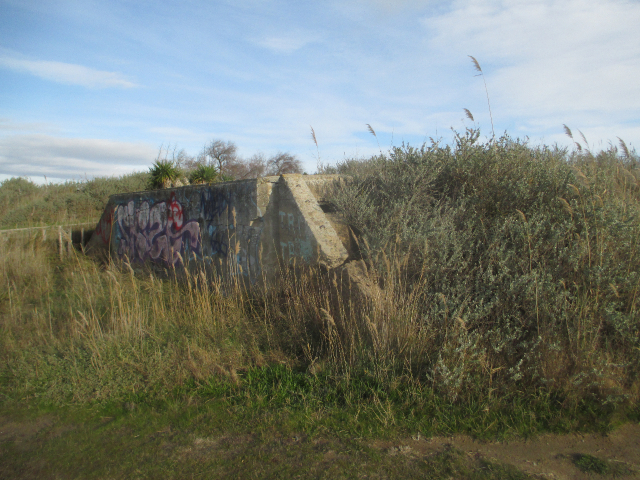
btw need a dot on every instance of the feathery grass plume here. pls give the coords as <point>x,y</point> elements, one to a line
<point>372,132</point>
<point>468,114</point>
<point>567,131</point>
<point>565,205</point>
<point>569,134</point>
<point>481,74</point>
<point>584,139</point>
<point>575,189</point>
<point>582,178</point>
<point>587,147</point>
<point>313,137</point>
<point>624,148</point>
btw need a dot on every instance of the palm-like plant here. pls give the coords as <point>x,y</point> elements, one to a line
<point>163,173</point>
<point>203,174</point>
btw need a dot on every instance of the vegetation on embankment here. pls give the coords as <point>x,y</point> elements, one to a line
<point>519,266</point>
<point>510,279</point>
<point>24,204</point>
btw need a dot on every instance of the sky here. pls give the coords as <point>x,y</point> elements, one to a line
<point>97,88</point>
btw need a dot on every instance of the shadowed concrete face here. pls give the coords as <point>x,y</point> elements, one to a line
<point>246,228</point>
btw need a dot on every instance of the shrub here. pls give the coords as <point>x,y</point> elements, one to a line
<point>164,173</point>
<point>203,174</point>
<point>521,261</point>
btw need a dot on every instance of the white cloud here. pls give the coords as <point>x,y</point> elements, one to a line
<point>71,158</point>
<point>546,63</point>
<point>547,56</point>
<point>176,133</point>
<point>9,125</point>
<point>67,73</point>
<point>286,43</point>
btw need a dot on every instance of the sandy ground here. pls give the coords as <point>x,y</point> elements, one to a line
<point>547,456</point>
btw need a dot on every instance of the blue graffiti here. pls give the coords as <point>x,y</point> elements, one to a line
<point>213,203</point>
<point>219,244</point>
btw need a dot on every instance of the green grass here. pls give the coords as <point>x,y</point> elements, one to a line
<point>590,464</point>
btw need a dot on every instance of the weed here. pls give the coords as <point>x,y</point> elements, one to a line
<point>590,464</point>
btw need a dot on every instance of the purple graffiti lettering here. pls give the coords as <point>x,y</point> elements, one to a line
<point>157,233</point>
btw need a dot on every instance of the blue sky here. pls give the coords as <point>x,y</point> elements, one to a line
<point>93,88</point>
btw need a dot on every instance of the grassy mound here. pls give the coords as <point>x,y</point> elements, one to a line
<point>24,204</point>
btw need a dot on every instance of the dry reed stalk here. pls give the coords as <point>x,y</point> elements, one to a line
<point>372,132</point>
<point>313,137</point>
<point>481,74</point>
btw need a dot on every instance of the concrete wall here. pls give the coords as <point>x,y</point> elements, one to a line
<point>244,228</point>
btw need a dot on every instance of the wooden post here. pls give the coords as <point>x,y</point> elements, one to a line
<point>60,241</point>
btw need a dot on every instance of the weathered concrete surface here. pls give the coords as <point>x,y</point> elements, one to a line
<point>247,228</point>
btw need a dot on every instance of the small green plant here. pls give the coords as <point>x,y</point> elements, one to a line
<point>590,464</point>
<point>203,174</point>
<point>163,173</point>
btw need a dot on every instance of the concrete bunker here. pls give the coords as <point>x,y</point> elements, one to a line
<point>245,228</point>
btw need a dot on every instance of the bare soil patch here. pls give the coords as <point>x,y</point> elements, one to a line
<point>547,456</point>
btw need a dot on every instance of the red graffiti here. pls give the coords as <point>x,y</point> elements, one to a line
<point>175,214</point>
<point>103,229</point>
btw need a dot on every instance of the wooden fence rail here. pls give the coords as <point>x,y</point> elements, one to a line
<point>67,235</point>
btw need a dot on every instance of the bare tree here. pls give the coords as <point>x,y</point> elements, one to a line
<point>224,157</point>
<point>252,167</point>
<point>283,163</point>
<point>217,153</point>
<point>179,158</point>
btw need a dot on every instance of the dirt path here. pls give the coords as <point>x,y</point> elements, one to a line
<point>548,456</point>
<point>49,447</point>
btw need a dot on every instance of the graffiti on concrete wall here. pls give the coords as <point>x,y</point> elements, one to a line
<point>293,230</point>
<point>156,231</point>
<point>224,237</point>
<point>213,204</point>
<point>206,225</point>
<point>214,210</point>
<point>103,229</point>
